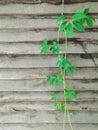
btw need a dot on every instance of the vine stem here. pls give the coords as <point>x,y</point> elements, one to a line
<point>66,111</point>
<point>66,49</point>
<point>64,77</point>
<point>69,118</point>
<point>62,7</point>
<point>64,84</point>
<point>65,103</point>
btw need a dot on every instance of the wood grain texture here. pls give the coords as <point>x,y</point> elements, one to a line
<point>75,47</point>
<point>25,102</point>
<point>81,73</point>
<point>44,126</point>
<point>33,61</point>
<point>46,116</point>
<point>11,23</point>
<point>41,96</point>
<point>45,8</point>
<point>11,36</point>
<point>38,85</point>
<point>29,106</point>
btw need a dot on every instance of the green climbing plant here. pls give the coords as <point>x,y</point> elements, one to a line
<point>66,25</point>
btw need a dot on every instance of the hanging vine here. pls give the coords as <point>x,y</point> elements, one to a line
<point>66,25</point>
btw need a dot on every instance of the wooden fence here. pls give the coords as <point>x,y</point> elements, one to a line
<point>25,102</point>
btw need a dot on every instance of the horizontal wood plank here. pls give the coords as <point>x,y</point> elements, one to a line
<point>81,73</point>
<point>74,47</point>
<point>47,116</point>
<point>12,23</point>
<point>45,8</point>
<point>44,126</point>
<point>25,101</point>
<point>11,36</point>
<point>31,61</point>
<point>41,96</point>
<point>36,85</point>
<point>29,106</point>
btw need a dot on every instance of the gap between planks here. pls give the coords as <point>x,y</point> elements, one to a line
<point>45,1</point>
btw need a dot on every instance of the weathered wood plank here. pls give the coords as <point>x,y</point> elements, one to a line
<point>28,61</point>
<point>46,8</point>
<point>81,73</point>
<point>46,117</point>
<point>29,106</point>
<point>74,47</point>
<point>33,103</point>
<point>41,96</point>
<point>11,36</point>
<point>44,126</point>
<point>41,85</point>
<point>30,24</point>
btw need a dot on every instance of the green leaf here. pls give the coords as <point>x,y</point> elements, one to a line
<point>69,30</point>
<point>50,79</point>
<point>86,11</point>
<point>57,80</point>
<point>78,16</point>
<point>71,69</point>
<point>45,42</point>
<point>45,49</point>
<point>61,18</point>
<point>78,26</point>
<point>57,106</point>
<point>59,64</point>
<point>62,26</point>
<point>55,48</point>
<point>60,56</point>
<point>82,21</point>
<point>89,22</point>
<point>53,97</point>
<point>66,63</point>
<point>91,17</point>
<point>60,61</point>
<point>70,94</point>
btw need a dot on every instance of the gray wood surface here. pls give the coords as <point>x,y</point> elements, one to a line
<point>25,102</point>
<point>45,126</point>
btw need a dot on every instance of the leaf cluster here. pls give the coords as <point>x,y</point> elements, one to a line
<point>70,94</point>
<point>64,63</point>
<point>55,80</point>
<point>75,22</point>
<point>46,47</point>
